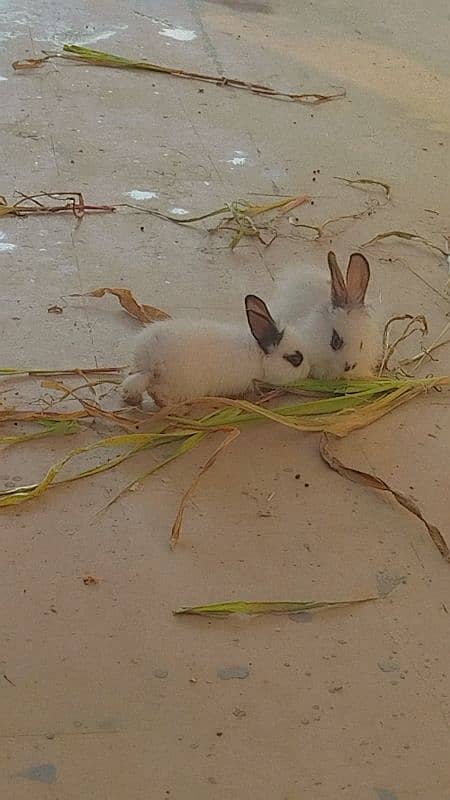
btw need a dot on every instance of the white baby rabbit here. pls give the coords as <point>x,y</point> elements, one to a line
<point>340,333</point>
<point>179,360</point>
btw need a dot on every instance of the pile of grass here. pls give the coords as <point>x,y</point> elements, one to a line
<point>327,407</point>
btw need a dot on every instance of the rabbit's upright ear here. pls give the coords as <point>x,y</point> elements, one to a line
<point>338,287</point>
<point>358,274</point>
<point>261,324</point>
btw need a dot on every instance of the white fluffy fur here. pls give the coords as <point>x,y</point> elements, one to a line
<point>179,360</point>
<point>303,298</point>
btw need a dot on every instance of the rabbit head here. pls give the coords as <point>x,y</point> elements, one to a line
<point>284,360</point>
<point>343,338</point>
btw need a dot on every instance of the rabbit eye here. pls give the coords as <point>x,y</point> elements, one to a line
<point>294,358</point>
<point>336,341</point>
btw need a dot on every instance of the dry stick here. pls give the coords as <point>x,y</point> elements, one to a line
<point>102,59</point>
<point>374,482</point>
<point>42,373</point>
<point>176,528</point>
<point>427,351</point>
<point>78,209</point>
<point>389,349</point>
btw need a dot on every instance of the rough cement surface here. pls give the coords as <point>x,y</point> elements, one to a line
<point>112,697</point>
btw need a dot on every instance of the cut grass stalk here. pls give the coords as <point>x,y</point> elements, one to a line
<point>74,203</point>
<point>101,59</point>
<point>42,373</point>
<point>240,217</point>
<point>49,427</point>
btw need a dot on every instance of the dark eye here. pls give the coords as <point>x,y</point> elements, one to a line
<point>336,341</point>
<point>294,358</point>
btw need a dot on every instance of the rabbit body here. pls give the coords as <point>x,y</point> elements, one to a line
<point>180,360</point>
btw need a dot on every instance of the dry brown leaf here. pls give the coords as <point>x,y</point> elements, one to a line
<point>176,528</point>
<point>139,311</point>
<point>374,482</point>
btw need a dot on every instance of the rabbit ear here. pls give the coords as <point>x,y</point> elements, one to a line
<point>358,274</point>
<point>262,326</point>
<point>338,287</point>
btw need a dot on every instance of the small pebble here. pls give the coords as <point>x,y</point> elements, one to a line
<point>226,673</point>
<point>160,673</point>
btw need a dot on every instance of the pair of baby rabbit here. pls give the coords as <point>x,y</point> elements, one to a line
<point>323,330</point>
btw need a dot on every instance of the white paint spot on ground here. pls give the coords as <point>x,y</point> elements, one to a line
<point>100,36</point>
<point>2,78</point>
<point>239,158</point>
<point>91,36</point>
<point>181,212</point>
<point>179,34</point>
<point>5,247</point>
<point>136,194</point>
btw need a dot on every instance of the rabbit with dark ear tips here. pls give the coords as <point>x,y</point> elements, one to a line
<point>179,360</point>
<point>341,334</point>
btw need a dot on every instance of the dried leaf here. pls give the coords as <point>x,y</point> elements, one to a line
<point>141,312</point>
<point>417,324</point>
<point>55,310</point>
<point>362,182</point>
<point>267,607</point>
<point>414,237</point>
<point>102,59</point>
<point>374,482</point>
<point>176,528</point>
<point>50,427</point>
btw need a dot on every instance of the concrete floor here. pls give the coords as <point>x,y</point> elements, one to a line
<point>353,703</point>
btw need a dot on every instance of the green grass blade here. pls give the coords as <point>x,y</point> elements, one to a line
<point>266,607</point>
